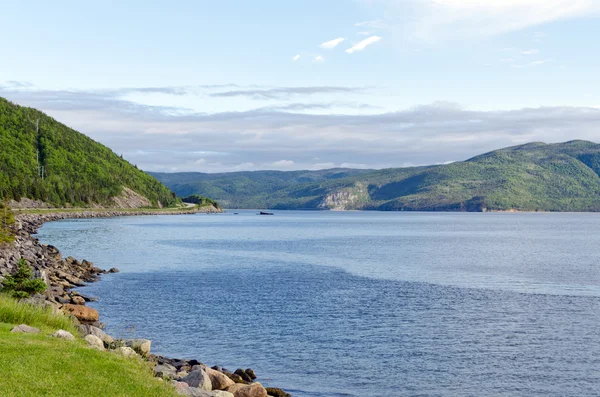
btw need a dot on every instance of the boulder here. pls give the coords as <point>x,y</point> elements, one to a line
<point>198,378</point>
<point>235,377</point>
<point>219,380</point>
<point>222,393</point>
<point>165,371</point>
<point>275,392</point>
<point>81,313</point>
<point>86,329</point>
<point>181,374</point>
<point>242,373</point>
<point>126,351</point>
<point>77,300</point>
<point>181,388</point>
<point>141,346</point>
<point>253,390</point>
<point>25,329</point>
<point>250,373</point>
<point>114,270</point>
<point>94,342</point>
<point>62,334</point>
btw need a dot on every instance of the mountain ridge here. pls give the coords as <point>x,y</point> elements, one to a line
<point>535,176</point>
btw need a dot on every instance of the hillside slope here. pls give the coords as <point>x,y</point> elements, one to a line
<point>531,177</point>
<point>77,170</point>
<point>245,189</point>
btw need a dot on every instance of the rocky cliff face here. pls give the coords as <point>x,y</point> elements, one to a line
<point>350,198</point>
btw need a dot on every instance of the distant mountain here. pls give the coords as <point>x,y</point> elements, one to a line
<point>531,177</point>
<point>76,170</point>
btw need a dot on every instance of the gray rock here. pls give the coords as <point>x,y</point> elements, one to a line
<point>198,378</point>
<point>141,346</point>
<point>85,329</point>
<point>165,371</point>
<point>126,351</point>
<point>94,342</point>
<point>25,329</point>
<point>62,334</point>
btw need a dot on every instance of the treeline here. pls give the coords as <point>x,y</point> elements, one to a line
<point>76,169</point>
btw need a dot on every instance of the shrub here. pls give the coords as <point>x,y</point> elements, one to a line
<point>21,284</point>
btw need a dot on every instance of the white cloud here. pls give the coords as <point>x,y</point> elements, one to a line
<point>318,58</point>
<point>283,164</point>
<point>458,19</point>
<point>328,45</point>
<point>296,57</point>
<point>361,45</point>
<point>530,52</point>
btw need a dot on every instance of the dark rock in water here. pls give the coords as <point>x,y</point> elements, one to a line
<point>194,362</point>
<point>275,392</point>
<point>251,373</point>
<point>265,213</point>
<point>243,375</point>
<point>88,298</point>
<point>235,377</point>
<point>114,270</point>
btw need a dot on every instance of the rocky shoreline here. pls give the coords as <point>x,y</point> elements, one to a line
<point>63,275</point>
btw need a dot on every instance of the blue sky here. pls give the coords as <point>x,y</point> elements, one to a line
<point>245,85</point>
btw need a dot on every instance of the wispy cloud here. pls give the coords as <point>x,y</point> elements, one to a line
<point>435,20</point>
<point>318,59</point>
<point>296,57</point>
<point>285,92</point>
<point>361,45</point>
<point>328,45</point>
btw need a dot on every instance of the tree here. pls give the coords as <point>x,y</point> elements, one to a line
<point>7,221</point>
<point>21,284</point>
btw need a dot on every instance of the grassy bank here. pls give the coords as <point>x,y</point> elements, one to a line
<point>38,365</point>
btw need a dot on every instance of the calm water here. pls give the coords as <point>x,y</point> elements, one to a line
<point>359,303</point>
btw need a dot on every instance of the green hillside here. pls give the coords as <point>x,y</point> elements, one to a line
<point>77,170</point>
<point>245,189</point>
<point>531,177</point>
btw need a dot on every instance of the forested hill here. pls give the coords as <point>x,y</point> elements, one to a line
<point>531,177</point>
<point>76,169</point>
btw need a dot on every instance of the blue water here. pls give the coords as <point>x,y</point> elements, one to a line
<point>359,303</point>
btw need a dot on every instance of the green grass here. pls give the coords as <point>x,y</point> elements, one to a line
<point>14,312</point>
<point>39,365</point>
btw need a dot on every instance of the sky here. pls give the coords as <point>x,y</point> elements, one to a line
<point>242,85</point>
